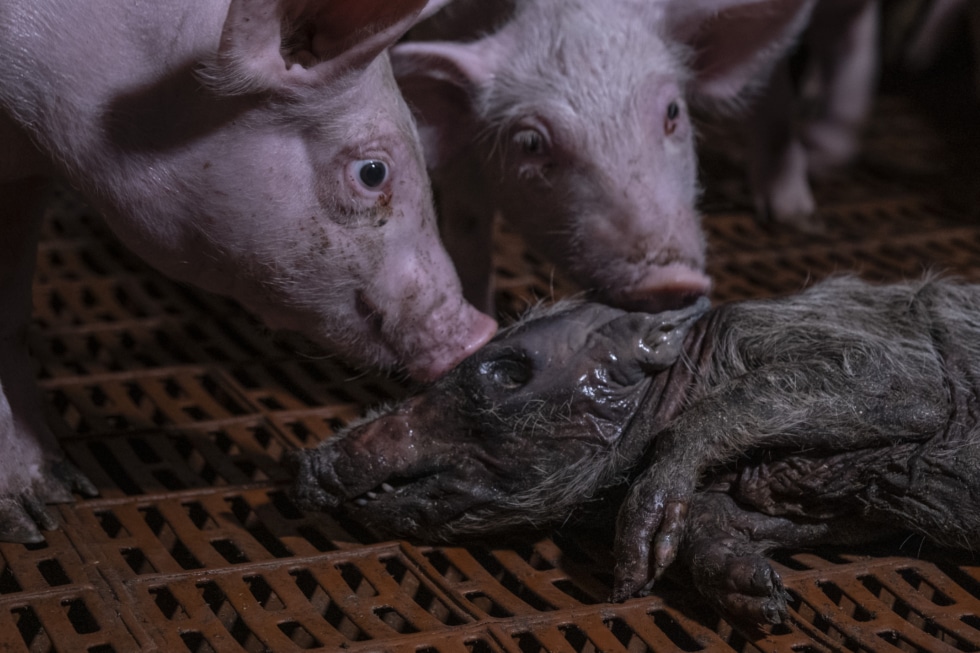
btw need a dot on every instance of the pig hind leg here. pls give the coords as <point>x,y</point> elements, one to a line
<point>726,547</point>
<point>845,70</point>
<point>778,159</point>
<point>33,471</point>
<point>936,493</point>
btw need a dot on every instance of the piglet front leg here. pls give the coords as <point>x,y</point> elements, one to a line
<point>33,471</point>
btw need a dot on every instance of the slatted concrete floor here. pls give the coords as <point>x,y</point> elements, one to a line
<point>180,408</point>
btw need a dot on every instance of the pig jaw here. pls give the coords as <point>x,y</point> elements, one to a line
<point>386,475</point>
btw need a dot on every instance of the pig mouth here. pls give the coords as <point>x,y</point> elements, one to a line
<point>417,505</point>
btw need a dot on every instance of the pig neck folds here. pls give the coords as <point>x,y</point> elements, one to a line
<point>669,392</point>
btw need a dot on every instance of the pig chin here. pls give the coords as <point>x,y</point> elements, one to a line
<point>669,288</point>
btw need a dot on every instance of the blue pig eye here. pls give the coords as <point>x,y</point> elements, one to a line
<point>372,173</point>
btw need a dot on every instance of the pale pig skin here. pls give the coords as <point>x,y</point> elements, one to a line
<point>839,415</point>
<point>570,118</point>
<point>289,177</point>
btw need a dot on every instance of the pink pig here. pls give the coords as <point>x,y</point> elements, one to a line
<point>570,118</point>
<point>256,148</point>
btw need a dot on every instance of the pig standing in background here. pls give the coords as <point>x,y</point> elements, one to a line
<point>256,148</point>
<point>814,130</point>
<point>843,414</point>
<point>571,118</point>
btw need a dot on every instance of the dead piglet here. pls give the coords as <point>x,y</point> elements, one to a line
<point>571,119</point>
<point>814,131</point>
<point>520,434</point>
<point>838,415</point>
<point>840,367</point>
<point>257,148</point>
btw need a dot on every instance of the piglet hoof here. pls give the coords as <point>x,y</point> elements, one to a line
<point>744,587</point>
<point>24,513</point>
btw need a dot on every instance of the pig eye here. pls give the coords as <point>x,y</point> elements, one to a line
<point>372,173</point>
<point>531,142</point>
<point>673,112</point>
<point>507,373</point>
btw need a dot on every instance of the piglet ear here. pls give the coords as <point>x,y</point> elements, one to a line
<point>440,82</point>
<point>734,43</point>
<point>663,335</point>
<point>637,345</point>
<point>643,344</point>
<point>277,44</point>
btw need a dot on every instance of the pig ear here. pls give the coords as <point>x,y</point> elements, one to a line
<point>270,44</point>
<point>734,43</point>
<point>664,334</point>
<point>439,81</point>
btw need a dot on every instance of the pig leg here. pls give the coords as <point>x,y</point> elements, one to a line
<point>33,470</point>
<point>935,491</point>
<point>846,60</point>
<point>777,157</point>
<point>727,547</point>
<point>936,26</point>
<point>779,405</point>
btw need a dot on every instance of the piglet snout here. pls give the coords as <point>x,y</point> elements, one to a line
<point>458,335</point>
<point>306,490</point>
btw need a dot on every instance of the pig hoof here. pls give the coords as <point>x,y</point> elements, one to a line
<point>830,145</point>
<point>22,513</point>
<point>788,200</point>
<point>744,587</point>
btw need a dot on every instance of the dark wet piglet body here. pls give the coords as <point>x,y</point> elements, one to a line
<point>837,415</point>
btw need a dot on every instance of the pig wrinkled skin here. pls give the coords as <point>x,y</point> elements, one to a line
<point>570,119</point>
<point>838,415</point>
<point>816,130</point>
<point>256,148</point>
